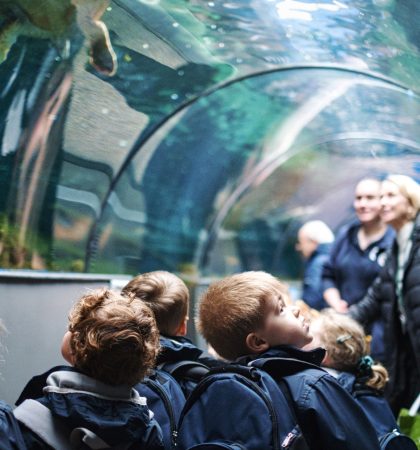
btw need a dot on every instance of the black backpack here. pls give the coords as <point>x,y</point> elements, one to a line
<point>237,407</point>
<point>10,434</point>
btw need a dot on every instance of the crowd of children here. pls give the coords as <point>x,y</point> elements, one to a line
<point>270,358</point>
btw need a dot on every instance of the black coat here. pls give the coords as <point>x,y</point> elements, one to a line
<point>381,300</point>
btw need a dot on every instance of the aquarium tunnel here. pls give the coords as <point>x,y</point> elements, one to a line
<point>193,136</point>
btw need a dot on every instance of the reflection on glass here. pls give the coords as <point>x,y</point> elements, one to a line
<point>138,140</point>
<point>340,122</point>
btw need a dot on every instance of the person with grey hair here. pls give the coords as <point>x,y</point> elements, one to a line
<point>314,241</point>
<point>395,293</point>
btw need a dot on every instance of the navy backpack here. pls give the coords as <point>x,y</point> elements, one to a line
<point>394,440</point>
<point>10,435</point>
<point>187,373</point>
<point>166,389</point>
<point>233,408</point>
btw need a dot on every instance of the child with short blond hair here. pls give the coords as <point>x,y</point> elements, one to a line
<point>167,296</point>
<point>180,364</point>
<point>245,318</point>
<point>111,344</point>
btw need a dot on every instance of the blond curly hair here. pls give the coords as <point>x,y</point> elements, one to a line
<point>114,338</point>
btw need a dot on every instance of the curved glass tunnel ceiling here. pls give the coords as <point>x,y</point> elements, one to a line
<point>225,126</point>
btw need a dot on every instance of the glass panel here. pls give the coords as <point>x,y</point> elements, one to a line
<point>126,147</point>
<point>266,153</point>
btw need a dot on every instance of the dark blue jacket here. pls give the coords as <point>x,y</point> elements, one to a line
<point>116,414</point>
<point>177,348</point>
<point>327,414</point>
<point>10,433</point>
<point>349,268</point>
<point>352,271</point>
<point>312,292</point>
<point>372,402</point>
<point>180,348</point>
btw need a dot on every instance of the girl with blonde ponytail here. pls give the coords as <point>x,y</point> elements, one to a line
<point>347,359</point>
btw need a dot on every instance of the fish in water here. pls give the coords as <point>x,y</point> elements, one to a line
<point>55,19</point>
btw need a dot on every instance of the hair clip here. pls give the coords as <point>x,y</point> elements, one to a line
<point>343,338</point>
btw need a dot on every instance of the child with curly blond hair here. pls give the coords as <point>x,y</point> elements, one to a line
<point>111,343</point>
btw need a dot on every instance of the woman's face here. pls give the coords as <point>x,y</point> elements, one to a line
<point>367,203</point>
<point>396,209</point>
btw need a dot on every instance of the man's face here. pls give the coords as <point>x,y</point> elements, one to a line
<point>304,245</point>
<point>367,202</point>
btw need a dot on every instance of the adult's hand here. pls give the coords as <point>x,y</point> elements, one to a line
<point>333,298</point>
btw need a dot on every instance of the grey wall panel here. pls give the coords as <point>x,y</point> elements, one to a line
<point>34,312</point>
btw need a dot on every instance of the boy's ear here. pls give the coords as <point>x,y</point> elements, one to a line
<point>182,329</point>
<point>66,348</point>
<point>256,344</point>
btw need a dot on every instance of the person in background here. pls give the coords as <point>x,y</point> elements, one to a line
<point>395,293</point>
<point>314,241</point>
<point>357,256</point>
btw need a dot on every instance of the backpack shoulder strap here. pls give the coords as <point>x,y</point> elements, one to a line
<point>186,369</point>
<point>10,433</point>
<point>40,420</point>
<point>278,369</point>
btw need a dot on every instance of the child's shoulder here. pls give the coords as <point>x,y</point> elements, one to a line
<point>34,388</point>
<point>175,348</point>
<point>295,365</point>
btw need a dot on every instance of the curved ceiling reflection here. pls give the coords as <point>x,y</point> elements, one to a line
<point>186,134</point>
<point>343,123</point>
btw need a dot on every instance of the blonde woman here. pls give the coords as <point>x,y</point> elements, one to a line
<point>395,294</point>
